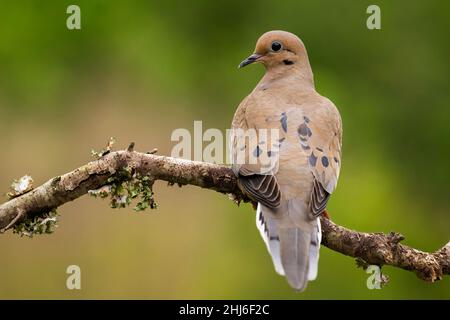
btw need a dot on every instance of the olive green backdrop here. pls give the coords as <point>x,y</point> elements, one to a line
<point>139,69</point>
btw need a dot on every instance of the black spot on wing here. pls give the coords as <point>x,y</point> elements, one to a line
<point>283,121</point>
<point>312,160</point>
<point>325,162</point>
<point>271,153</point>
<point>303,130</point>
<point>257,152</point>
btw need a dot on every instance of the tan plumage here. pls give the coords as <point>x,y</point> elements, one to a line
<point>296,191</point>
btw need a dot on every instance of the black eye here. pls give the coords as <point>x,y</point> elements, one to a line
<point>276,46</point>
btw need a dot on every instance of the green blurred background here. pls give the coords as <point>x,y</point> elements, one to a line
<point>139,69</point>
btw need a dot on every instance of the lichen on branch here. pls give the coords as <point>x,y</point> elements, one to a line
<point>125,186</point>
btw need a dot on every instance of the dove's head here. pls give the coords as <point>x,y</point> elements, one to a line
<point>280,50</point>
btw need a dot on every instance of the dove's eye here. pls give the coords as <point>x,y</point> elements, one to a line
<point>276,46</point>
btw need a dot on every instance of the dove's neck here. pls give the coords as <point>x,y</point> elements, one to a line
<point>300,76</point>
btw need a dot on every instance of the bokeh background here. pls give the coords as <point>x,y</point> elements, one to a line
<point>139,69</point>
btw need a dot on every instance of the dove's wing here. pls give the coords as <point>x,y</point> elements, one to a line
<point>263,188</point>
<point>320,135</point>
<point>251,154</point>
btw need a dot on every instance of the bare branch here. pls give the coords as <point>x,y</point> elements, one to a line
<point>385,249</point>
<point>373,248</point>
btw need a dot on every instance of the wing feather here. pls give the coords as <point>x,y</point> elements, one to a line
<point>261,188</point>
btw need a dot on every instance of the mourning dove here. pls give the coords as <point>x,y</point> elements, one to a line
<point>307,154</point>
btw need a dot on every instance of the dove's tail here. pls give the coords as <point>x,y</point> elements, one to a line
<point>316,239</point>
<point>294,252</point>
<point>269,232</point>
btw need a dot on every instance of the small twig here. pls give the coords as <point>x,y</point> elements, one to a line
<point>20,212</point>
<point>130,147</point>
<point>155,150</point>
<point>396,237</point>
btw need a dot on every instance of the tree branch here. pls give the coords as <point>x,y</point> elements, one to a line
<point>372,248</point>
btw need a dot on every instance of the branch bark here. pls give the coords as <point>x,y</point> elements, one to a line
<point>373,248</point>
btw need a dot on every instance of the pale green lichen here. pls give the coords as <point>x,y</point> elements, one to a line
<point>44,223</point>
<point>103,192</point>
<point>126,186</point>
<point>39,224</point>
<point>20,186</point>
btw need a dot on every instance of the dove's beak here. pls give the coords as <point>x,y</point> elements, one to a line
<point>253,58</point>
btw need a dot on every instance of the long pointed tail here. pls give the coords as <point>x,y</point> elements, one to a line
<point>294,251</point>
